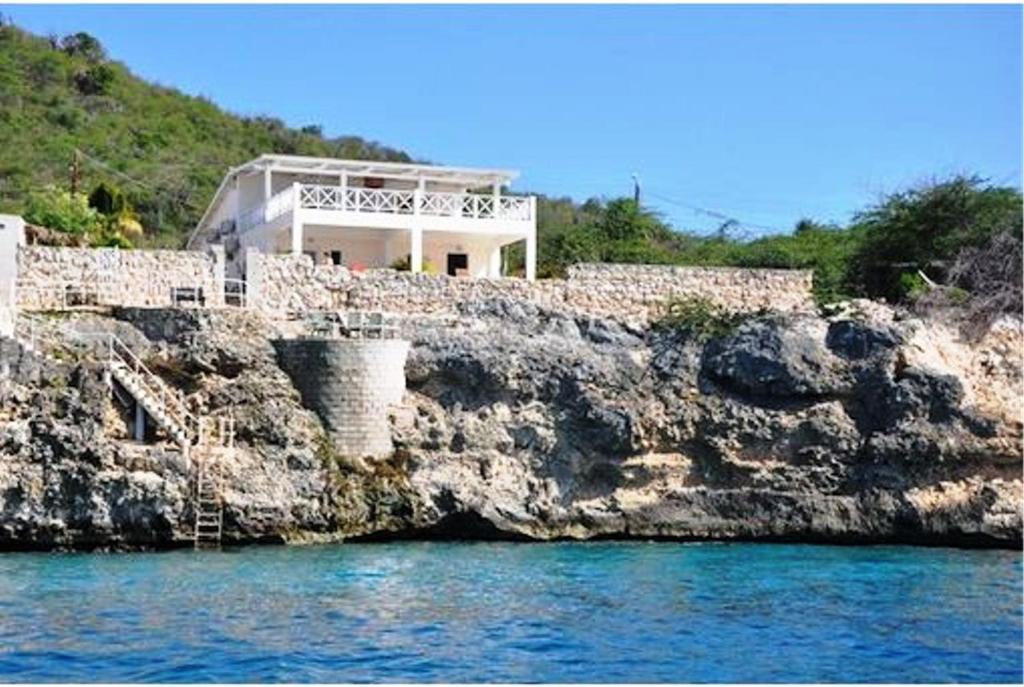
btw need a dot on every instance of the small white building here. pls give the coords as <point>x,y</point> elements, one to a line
<point>358,213</point>
<point>12,235</point>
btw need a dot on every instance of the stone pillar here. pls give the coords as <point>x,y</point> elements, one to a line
<point>254,278</point>
<point>349,384</point>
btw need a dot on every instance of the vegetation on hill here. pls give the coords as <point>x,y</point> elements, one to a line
<point>165,150</point>
<point>931,230</point>
<point>152,157</point>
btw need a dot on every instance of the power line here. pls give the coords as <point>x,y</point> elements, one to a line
<point>104,165</point>
<point>715,214</point>
<point>137,182</point>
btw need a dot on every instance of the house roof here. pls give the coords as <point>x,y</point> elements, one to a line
<point>470,177</point>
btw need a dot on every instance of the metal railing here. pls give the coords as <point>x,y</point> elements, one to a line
<point>235,293</point>
<point>196,429</point>
<point>353,324</point>
<point>66,295</point>
<point>82,295</point>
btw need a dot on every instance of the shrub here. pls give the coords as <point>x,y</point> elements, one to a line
<point>95,79</point>
<point>62,211</point>
<point>912,286</point>
<point>700,317</point>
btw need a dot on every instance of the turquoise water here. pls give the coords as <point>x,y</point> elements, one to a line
<point>514,612</point>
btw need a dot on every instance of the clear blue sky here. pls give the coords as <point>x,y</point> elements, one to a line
<point>767,114</point>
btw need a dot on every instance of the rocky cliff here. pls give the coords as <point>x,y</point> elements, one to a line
<point>525,423</point>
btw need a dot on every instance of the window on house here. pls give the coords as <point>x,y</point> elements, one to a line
<point>458,264</point>
<point>336,257</point>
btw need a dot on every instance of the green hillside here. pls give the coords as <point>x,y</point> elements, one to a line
<point>164,153</point>
<point>57,95</point>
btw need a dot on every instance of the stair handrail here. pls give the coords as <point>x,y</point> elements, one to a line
<point>172,404</point>
<point>190,423</point>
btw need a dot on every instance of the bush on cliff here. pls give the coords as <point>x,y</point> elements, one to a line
<point>700,318</point>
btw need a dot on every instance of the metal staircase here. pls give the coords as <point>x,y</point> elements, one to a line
<point>204,441</point>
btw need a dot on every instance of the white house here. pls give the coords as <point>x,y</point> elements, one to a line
<point>450,220</point>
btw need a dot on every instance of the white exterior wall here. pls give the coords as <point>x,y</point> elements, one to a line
<point>478,249</point>
<point>381,248</point>
<point>12,235</point>
<point>250,192</point>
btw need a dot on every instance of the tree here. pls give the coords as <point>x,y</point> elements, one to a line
<point>925,228</point>
<point>83,45</point>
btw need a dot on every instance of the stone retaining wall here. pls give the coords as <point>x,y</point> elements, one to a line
<point>349,384</point>
<point>639,292</point>
<point>136,278</point>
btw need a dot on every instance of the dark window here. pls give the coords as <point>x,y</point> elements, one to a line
<point>336,257</point>
<point>457,261</point>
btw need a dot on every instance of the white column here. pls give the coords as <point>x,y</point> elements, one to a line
<point>531,242</point>
<point>343,182</point>
<point>268,187</point>
<point>416,252</point>
<point>416,235</point>
<point>296,221</point>
<point>494,263</point>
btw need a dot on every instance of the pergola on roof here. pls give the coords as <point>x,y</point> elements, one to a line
<point>298,164</point>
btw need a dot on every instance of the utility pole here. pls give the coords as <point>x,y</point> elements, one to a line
<point>636,190</point>
<point>73,168</point>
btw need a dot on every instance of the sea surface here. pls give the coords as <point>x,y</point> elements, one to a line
<point>595,612</point>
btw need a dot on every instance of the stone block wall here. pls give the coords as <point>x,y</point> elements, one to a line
<point>636,292</point>
<point>293,283</point>
<point>138,278</point>
<point>640,291</point>
<point>349,384</point>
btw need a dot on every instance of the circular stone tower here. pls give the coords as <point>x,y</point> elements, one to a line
<point>349,384</point>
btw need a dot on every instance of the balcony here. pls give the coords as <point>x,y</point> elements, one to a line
<point>362,205</point>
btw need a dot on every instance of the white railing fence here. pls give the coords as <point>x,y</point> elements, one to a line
<point>390,201</point>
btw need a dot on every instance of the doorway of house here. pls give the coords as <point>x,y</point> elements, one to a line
<point>458,264</point>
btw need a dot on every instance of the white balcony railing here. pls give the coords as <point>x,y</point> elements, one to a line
<point>389,201</point>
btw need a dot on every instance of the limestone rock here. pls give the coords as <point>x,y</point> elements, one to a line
<point>527,421</point>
